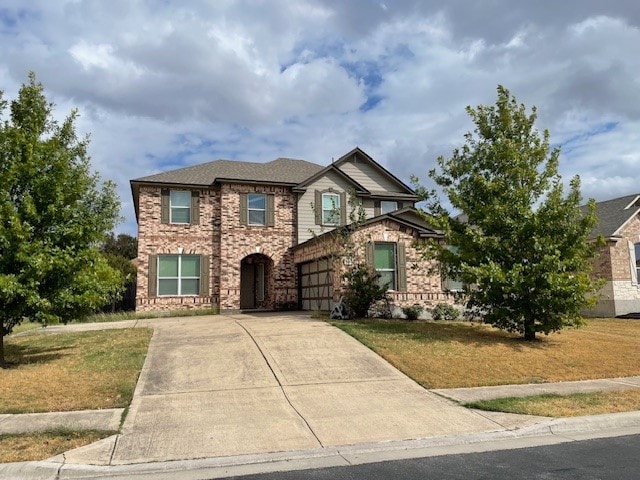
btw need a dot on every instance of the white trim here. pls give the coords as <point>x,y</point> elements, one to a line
<point>617,232</point>
<point>632,262</point>
<point>632,203</point>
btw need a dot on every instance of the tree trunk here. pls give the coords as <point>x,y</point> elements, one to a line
<point>529,329</point>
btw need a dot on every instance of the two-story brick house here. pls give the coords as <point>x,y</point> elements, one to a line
<point>243,235</point>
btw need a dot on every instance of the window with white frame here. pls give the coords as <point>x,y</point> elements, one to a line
<point>180,206</point>
<point>330,208</point>
<point>388,206</point>
<point>257,208</point>
<point>178,275</point>
<point>385,264</point>
<point>637,262</point>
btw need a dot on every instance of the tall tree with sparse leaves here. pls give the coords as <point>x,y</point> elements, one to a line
<point>54,212</point>
<point>522,248</point>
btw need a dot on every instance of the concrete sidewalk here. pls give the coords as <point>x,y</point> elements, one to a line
<point>466,395</point>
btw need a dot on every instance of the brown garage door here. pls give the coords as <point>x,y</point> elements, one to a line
<point>316,285</point>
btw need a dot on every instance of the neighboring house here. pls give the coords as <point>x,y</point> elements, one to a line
<point>243,235</point>
<point>619,260</point>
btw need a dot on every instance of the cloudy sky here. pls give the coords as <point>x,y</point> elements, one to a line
<point>162,84</point>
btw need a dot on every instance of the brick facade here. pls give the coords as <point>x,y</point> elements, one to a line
<point>424,285</point>
<point>239,241</point>
<point>220,236</point>
<point>156,238</point>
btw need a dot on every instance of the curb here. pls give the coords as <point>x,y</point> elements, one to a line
<point>551,432</point>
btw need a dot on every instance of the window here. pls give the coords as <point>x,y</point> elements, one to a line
<point>452,284</point>
<point>388,206</point>
<point>330,209</point>
<point>257,208</point>
<point>385,264</point>
<point>178,275</point>
<point>180,206</point>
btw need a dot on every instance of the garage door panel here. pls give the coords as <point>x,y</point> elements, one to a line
<point>316,285</point>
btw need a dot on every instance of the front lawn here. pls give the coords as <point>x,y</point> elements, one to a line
<point>72,371</point>
<point>460,354</point>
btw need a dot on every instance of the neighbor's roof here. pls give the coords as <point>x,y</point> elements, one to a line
<point>614,214</point>
<point>280,171</point>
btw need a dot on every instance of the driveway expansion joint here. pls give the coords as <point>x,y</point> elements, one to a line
<point>280,384</point>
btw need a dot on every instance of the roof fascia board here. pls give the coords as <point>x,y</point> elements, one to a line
<point>632,202</point>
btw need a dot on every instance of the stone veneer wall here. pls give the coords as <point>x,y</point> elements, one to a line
<point>423,286</point>
<point>157,238</point>
<point>238,241</point>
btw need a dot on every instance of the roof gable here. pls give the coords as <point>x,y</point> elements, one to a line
<point>331,169</point>
<point>614,214</point>
<point>358,155</point>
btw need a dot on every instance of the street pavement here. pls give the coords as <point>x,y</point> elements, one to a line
<point>262,389</point>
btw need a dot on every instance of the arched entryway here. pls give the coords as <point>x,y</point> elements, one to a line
<point>255,272</point>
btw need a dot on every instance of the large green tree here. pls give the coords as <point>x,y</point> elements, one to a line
<point>54,213</point>
<point>521,244</point>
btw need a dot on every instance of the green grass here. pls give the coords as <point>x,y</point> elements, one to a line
<point>72,371</point>
<point>42,445</point>
<point>553,405</point>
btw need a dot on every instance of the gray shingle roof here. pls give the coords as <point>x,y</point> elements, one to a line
<point>281,171</point>
<point>613,214</point>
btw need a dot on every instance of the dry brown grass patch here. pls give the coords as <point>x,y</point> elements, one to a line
<point>456,354</point>
<point>40,446</point>
<point>72,371</point>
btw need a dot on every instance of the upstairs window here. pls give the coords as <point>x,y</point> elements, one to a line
<point>257,208</point>
<point>388,206</point>
<point>330,209</point>
<point>180,205</point>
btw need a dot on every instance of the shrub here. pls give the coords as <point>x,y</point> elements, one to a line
<point>362,289</point>
<point>444,311</point>
<point>413,312</point>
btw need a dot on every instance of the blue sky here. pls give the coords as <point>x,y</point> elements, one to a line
<point>171,83</point>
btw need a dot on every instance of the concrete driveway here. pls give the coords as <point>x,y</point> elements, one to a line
<point>241,384</point>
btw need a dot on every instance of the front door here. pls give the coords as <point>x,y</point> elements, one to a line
<point>248,285</point>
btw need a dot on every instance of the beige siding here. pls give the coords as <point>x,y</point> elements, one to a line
<point>306,217</point>
<point>369,177</point>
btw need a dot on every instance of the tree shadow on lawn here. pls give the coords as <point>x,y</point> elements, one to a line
<point>20,355</point>
<point>467,333</point>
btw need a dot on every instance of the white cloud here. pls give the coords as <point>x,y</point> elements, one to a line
<point>161,84</point>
